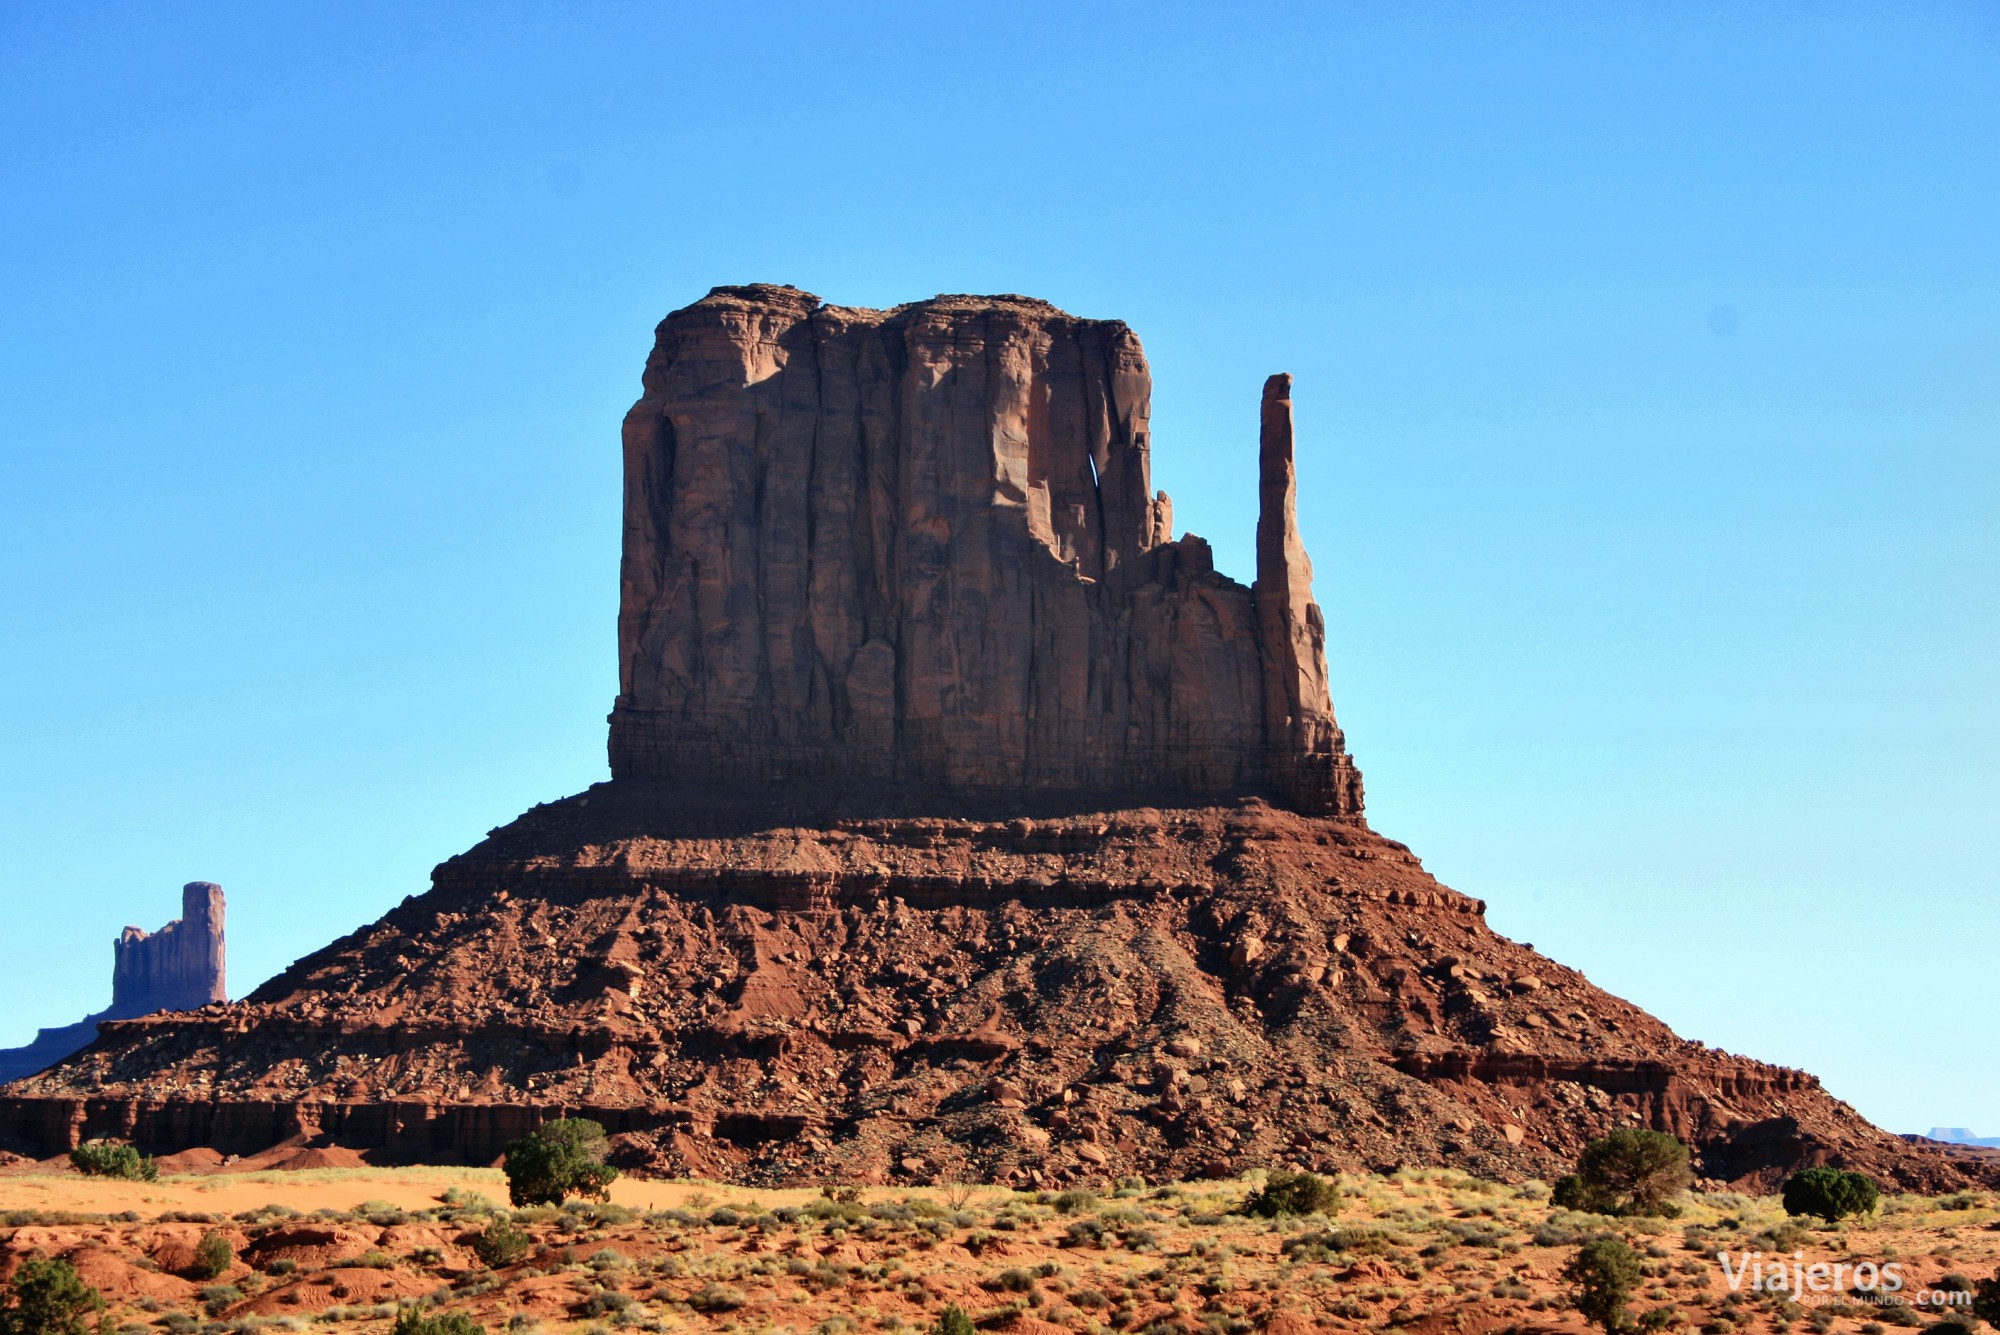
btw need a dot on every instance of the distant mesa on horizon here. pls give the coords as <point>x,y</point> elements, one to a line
<point>181,967</point>
<point>1958,1135</point>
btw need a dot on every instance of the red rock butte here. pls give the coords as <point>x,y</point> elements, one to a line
<point>964,824</point>
<point>921,547</point>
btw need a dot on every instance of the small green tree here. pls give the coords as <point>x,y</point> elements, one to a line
<point>213,1256</point>
<point>563,1158</point>
<point>1569,1194</point>
<point>1629,1172</point>
<point>953,1321</point>
<point>411,1320</point>
<point>1287,1192</point>
<point>113,1158</point>
<point>1601,1276</point>
<point>47,1298</point>
<point>1830,1193</point>
<point>502,1243</point>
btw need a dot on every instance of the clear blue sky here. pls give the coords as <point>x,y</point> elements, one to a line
<point>1648,362</point>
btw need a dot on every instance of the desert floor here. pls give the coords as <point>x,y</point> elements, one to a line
<point>1424,1250</point>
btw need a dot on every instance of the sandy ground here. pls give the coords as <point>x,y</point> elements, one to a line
<point>321,1189</point>
<point>1423,1250</point>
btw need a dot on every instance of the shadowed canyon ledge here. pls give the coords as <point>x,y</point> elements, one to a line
<point>921,547</point>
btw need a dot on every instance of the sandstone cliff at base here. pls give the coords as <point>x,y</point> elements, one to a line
<point>1171,992</point>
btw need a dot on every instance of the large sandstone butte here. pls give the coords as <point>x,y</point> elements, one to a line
<point>964,824</point>
<point>179,967</point>
<point>921,547</point>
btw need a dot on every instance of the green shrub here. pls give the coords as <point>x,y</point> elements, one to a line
<point>502,1244</point>
<point>953,1321</point>
<point>1629,1172</point>
<point>47,1298</point>
<point>412,1321</point>
<point>1601,1276</point>
<point>114,1158</point>
<point>609,1302</point>
<point>563,1158</point>
<point>213,1256</point>
<point>1830,1194</point>
<point>717,1298</point>
<point>1986,1300</point>
<point>216,1297</point>
<point>1568,1193</point>
<point>1286,1193</point>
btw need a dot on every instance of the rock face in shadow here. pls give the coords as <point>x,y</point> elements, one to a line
<point>180,967</point>
<point>921,547</point>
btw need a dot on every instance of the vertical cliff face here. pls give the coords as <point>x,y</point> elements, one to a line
<point>921,546</point>
<point>178,968</point>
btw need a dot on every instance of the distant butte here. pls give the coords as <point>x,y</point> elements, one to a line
<point>179,967</point>
<point>965,823</point>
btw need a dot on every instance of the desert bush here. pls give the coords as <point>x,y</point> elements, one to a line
<point>114,1158</point>
<point>1085,1233</point>
<point>1830,1193</point>
<point>1285,1193</point>
<point>213,1256</point>
<point>502,1243</point>
<point>717,1298</point>
<point>468,1202</point>
<point>1783,1236</point>
<point>1074,1201</point>
<point>609,1302</point>
<point>953,1321</point>
<point>562,1158</point>
<point>1629,1172</point>
<point>1986,1300</point>
<point>411,1320</point>
<point>1601,1276</point>
<point>47,1298</point>
<point>215,1297</point>
<point>828,1209</point>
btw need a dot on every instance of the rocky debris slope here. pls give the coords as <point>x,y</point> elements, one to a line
<point>179,967</point>
<point>1172,992</point>
<point>922,545</point>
